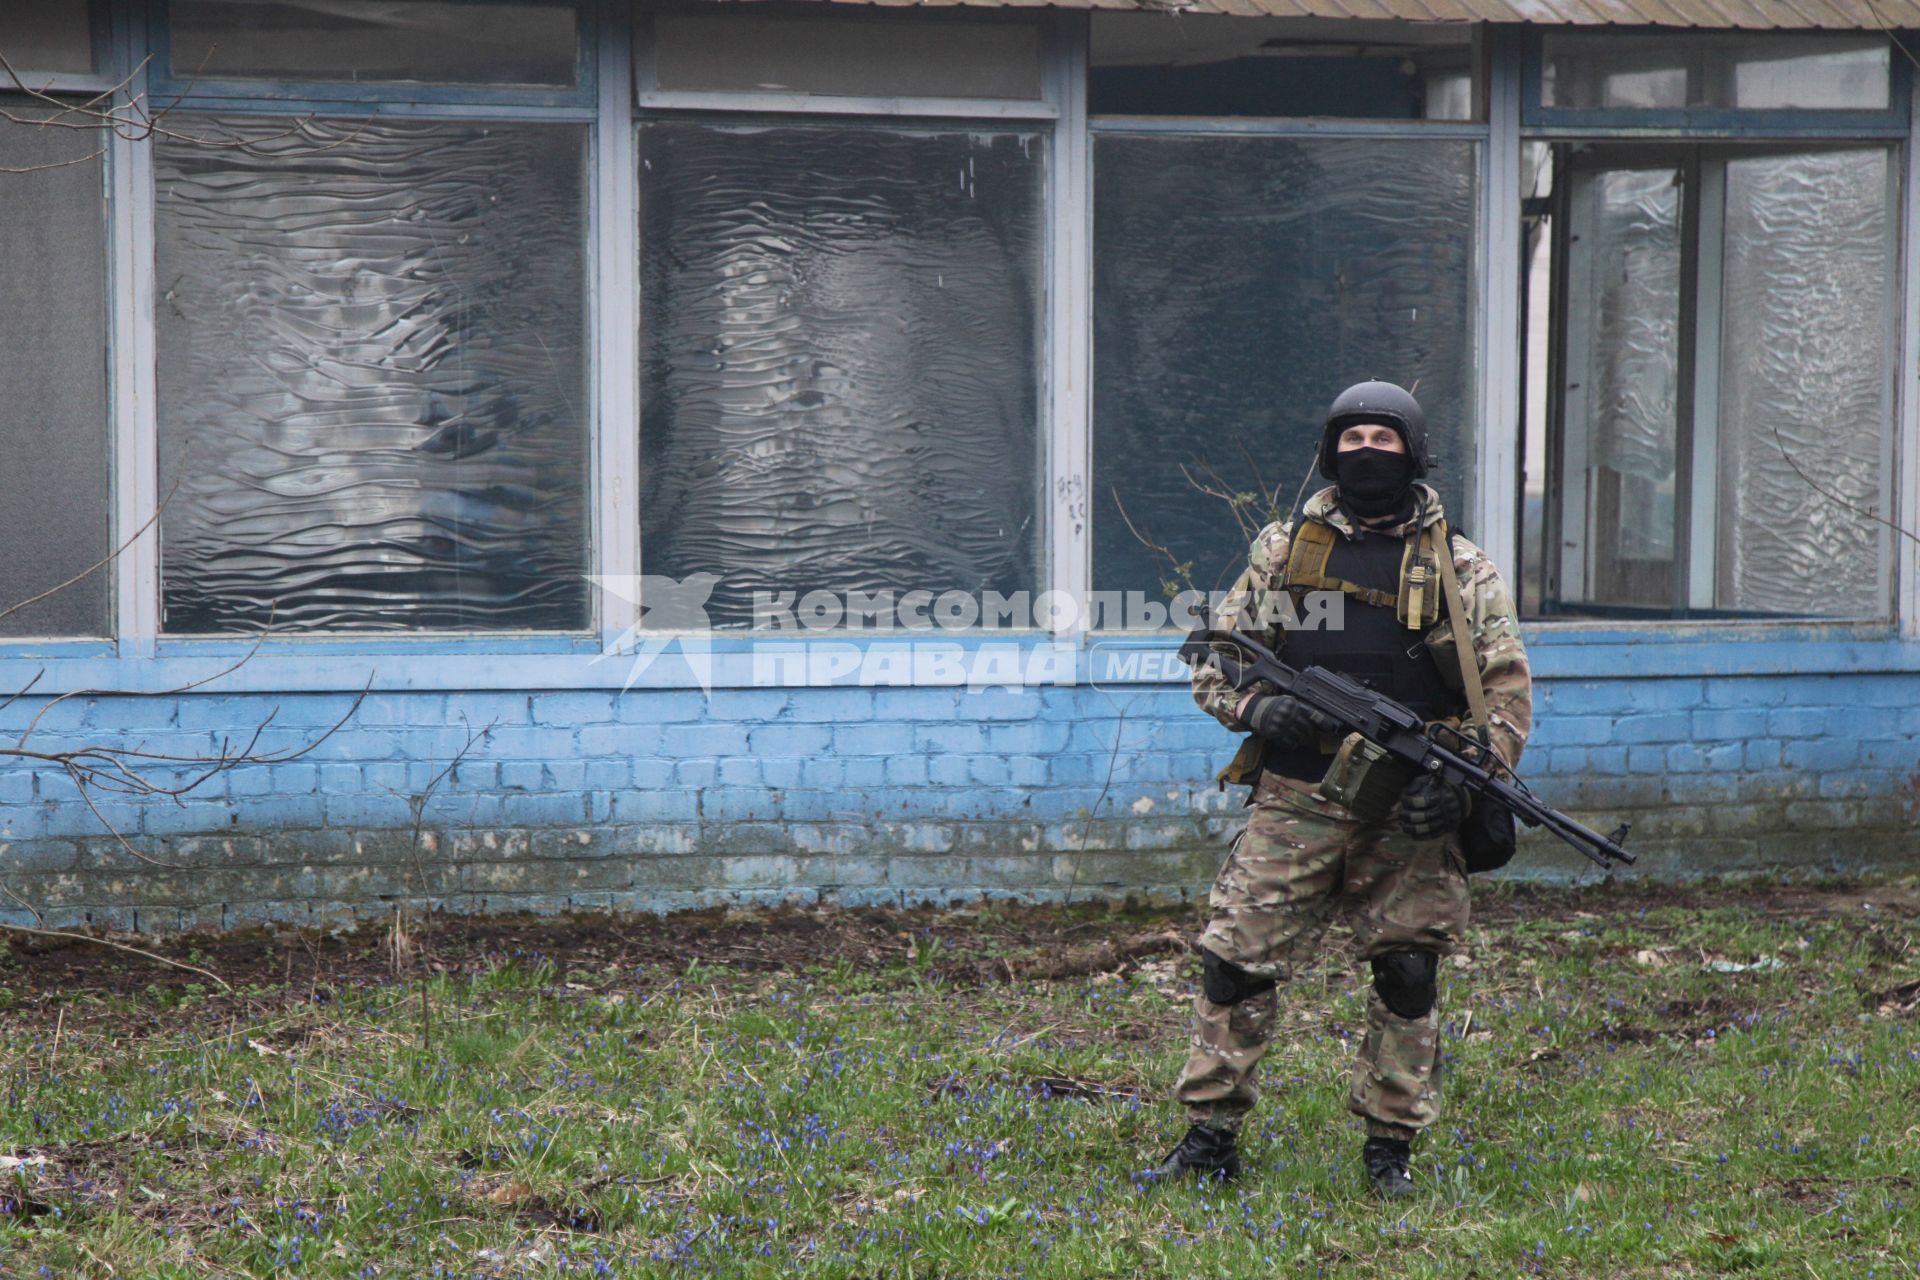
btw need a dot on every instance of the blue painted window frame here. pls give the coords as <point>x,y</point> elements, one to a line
<point>1539,120</point>
<point>494,99</point>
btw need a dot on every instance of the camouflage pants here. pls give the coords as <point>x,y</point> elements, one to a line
<point>1301,860</point>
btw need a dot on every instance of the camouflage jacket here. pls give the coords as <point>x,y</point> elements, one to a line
<point>1492,624</point>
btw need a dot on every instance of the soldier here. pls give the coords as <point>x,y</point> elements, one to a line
<point>1397,866</point>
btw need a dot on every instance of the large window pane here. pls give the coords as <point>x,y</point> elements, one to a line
<point>497,42</point>
<point>1622,405</point>
<point>372,382</point>
<point>1184,64</point>
<point>1239,285</point>
<point>1804,373</point>
<point>1722,70</point>
<point>53,383</point>
<point>922,55</point>
<point>841,337</point>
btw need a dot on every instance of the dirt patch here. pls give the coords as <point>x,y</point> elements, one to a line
<point>1114,955</point>
<point>1901,999</point>
<point>539,1212</point>
<point>971,946</point>
<point>1823,1192</point>
<point>1045,1088</point>
<point>100,1175</point>
<point>984,946</point>
<point>1713,1011</point>
<point>1822,900</point>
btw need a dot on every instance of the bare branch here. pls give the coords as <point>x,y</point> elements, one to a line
<point>1833,497</point>
<point>55,164</point>
<point>239,662</point>
<point>1146,540</point>
<point>86,795</point>
<point>401,946</point>
<point>25,905</point>
<point>105,560</point>
<point>135,122</point>
<point>21,692</point>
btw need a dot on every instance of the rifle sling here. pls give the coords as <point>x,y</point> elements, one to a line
<point>1462,644</point>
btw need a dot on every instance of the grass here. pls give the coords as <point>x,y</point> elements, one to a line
<point>1618,1104</point>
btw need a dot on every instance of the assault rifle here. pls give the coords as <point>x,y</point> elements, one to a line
<point>1401,733</point>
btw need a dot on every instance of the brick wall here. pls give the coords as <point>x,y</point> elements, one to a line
<point>661,799</point>
<point>1725,773</point>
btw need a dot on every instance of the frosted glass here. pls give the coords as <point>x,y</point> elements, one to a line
<point>840,337</point>
<point>1239,285</point>
<point>53,378</point>
<point>372,384</point>
<point>1804,367</point>
<point>1631,381</point>
<point>418,41</point>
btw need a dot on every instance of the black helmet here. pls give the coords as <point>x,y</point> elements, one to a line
<point>1380,402</point>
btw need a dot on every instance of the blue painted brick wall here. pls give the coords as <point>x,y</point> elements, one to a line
<point>655,800</point>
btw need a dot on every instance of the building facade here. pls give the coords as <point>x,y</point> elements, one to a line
<point>719,451</point>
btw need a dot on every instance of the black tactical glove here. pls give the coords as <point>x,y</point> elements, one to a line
<point>1429,807</point>
<point>1287,721</point>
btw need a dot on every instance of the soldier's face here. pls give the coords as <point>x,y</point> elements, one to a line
<point>1371,435</point>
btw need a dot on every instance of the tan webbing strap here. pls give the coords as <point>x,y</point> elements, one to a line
<point>1463,646</point>
<point>1307,567</point>
<point>1413,579</point>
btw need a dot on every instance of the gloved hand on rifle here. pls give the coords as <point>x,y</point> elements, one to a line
<point>1286,721</point>
<point>1429,807</point>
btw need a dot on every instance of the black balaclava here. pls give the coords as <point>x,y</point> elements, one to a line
<point>1375,482</point>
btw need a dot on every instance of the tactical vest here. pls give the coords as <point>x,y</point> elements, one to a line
<point>1393,598</point>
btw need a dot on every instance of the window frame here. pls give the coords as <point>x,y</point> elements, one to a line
<point>1898,127</point>
<point>1698,435</point>
<point>115,68</point>
<point>1492,378</point>
<point>141,586</point>
<point>1064,321</point>
<point>103,18</point>
<point>1568,123</point>
<point>1486,49</point>
<point>388,96</point>
<point>649,97</point>
<point>454,661</point>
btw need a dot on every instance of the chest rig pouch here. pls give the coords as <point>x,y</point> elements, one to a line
<point>1392,603</point>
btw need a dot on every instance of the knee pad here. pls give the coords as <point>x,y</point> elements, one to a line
<point>1407,982</point>
<point>1226,982</point>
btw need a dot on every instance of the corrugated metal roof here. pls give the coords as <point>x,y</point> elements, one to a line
<point>1758,15</point>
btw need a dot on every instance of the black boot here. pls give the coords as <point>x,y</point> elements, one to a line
<point>1387,1160</point>
<point>1205,1151</point>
